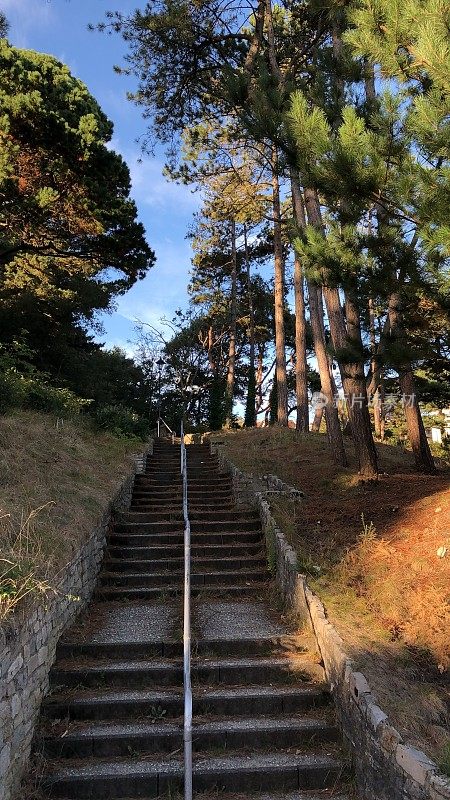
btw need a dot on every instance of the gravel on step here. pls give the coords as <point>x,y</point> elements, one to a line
<point>235,620</point>
<point>135,622</point>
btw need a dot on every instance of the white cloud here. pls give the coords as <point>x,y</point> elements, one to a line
<point>114,102</point>
<point>151,188</point>
<point>24,16</point>
<point>162,291</point>
<point>68,62</point>
<point>127,347</point>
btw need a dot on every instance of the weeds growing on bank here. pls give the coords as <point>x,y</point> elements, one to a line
<point>24,565</point>
<point>444,762</point>
<point>55,481</point>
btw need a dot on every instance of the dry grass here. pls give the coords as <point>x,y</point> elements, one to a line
<point>378,555</point>
<point>54,485</point>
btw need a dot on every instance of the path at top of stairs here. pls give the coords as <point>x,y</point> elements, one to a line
<point>112,725</point>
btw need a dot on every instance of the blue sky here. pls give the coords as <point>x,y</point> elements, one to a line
<point>59,27</point>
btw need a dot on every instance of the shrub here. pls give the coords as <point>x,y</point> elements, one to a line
<point>40,396</point>
<point>32,391</point>
<point>122,422</point>
<point>12,391</point>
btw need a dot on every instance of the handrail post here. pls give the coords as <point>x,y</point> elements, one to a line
<point>187,730</point>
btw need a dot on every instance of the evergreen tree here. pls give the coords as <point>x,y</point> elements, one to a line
<point>66,215</point>
<point>4,27</point>
<point>369,174</point>
<point>216,414</point>
<point>69,238</point>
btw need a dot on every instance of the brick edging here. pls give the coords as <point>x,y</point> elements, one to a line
<point>385,767</point>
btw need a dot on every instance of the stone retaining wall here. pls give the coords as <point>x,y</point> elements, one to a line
<point>28,642</point>
<point>385,767</point>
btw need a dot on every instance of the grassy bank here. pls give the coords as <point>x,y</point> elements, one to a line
<point>378,555</point>
<point>55,481</point>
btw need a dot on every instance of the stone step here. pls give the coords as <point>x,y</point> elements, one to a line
<point>206,501</point>
<point>209,479</point>
<point>198,564</point>
<point>156,704</point>
<point>191,455</point>
<point>171,648</point>
<point>144,673</point>
<point>164,526</point>
<point>175,491</point>
<point>172,513</point>
<point>198,514</point>
<point>159,482</point>
<point>195,474</point>
<point>316,794</point>
<point>236,523</point>
<point>214,591</point>
<point>175,456</point>
<point>204,464</point>
<point>153,777</point>
<point>211,552</point>
<point>175,500</point>
<point>175,459</point>
<point>175,506</point>
<point>218,483</point>
<point>211,495</point>
<point>198,579</point>
<point>138,537</point>
<point>166,443</point>
<point>214,482</point>
<point>113,739</point>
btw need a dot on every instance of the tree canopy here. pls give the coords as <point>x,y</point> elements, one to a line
<point>345,112</point>
<point>70,241</point>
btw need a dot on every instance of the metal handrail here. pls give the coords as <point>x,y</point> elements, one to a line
<point>158,425</point>
<point>187,631</point>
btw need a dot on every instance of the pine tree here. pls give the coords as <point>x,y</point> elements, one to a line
<point>373,175</point>
<point>4,26</point>
<point>66,214</point>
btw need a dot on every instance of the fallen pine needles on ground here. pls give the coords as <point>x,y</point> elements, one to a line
<point>378,555</point>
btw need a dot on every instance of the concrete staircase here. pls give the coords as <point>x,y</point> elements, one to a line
<point>112,726</point>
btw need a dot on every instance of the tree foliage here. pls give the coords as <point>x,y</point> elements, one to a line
<point>70,241</point>
<point>66,215</point>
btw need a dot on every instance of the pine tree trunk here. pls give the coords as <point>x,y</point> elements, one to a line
<point>347,344</point>
<point>316,319</point>
<point>211,360</point>
<point>375,387</point>
<point>317,421</point>
<point>301,363</point>
<point>229,391</point>
<point>273,402</point>
<point>416,431</point>
<point>348,337</point>
<point>359,412</point>
<point>331,413</point>
<point>318,414</point>
<point>282,416</point>
<point>259,377</point>
<point>250,408</point>
<point>352,376</point>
